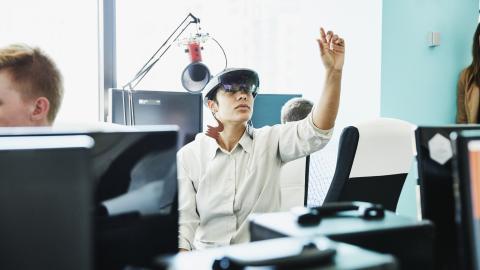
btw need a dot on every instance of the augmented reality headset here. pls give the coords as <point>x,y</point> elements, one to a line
<point>232,80</point>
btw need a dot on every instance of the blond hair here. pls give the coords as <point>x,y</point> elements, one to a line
<point>35,74</point>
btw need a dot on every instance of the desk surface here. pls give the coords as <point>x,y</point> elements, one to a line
<point>285,223</point>
<point>410,241</point>
<point>347,256</point>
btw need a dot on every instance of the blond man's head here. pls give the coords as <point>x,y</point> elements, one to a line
<point>31,88</point>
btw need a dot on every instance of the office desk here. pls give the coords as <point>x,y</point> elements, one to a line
<point>410,241</point>
<point>347,256</point>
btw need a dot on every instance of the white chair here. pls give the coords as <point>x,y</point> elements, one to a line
<point>374,159</point>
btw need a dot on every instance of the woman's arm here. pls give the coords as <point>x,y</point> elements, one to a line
<point>332,51</point>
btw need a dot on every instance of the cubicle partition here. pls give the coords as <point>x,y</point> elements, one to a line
<point>45,202</point>
<point>117,200</point>
<point>435,179</point>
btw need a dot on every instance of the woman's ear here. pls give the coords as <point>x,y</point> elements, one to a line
<point>40,110</point>
<point>213,106</point>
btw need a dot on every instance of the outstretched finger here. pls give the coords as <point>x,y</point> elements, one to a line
<point>329,36</point>
<point>333,41</point>
<point>334,38</point>
<point>321,46</point>
<point>323,36</point>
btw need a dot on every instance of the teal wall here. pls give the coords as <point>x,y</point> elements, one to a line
<point>418,83</point>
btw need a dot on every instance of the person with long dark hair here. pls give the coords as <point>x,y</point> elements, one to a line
<point>468,95</point>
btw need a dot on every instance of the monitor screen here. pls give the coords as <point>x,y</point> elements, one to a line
<point>126,160</point>
<point>45,201</point>
<point>158,108</point>
<point>134,175</point>
<point>467,191</point>
<point>474,187</point>
<point>267,108</point>
<point>435,179</point>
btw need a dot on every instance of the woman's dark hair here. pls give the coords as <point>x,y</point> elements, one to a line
<point>473,71</point>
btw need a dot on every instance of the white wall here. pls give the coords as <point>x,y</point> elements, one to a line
<point>68,32</point>
<point>274,37</point>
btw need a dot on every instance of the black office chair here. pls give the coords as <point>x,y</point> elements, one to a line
<point>373,161</point>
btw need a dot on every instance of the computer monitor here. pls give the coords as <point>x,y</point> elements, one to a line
<point>158,108</point>
<point>435,179</point>
<point>267,108</point>
<point>467,195</point>
<point>134,174</point>
<point>45,202</point>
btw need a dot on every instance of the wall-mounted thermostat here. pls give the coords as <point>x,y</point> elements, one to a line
<point>433,39</point>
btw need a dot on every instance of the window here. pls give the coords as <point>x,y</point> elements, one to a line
<point>274,37</point>
<point>68,32</point>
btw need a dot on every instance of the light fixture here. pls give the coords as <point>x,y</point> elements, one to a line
<point>194,77</point>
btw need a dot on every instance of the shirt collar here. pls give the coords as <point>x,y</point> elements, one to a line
<point>245,141</point>
<point>212,147</point>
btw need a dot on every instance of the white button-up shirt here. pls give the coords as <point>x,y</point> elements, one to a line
<point>218,190</point>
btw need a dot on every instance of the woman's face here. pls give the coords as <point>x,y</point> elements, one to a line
<point>234,106</point>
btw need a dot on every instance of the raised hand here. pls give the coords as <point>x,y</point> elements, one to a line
<point>214,132</point>
<point>332,50</point>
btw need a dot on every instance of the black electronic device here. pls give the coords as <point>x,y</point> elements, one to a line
<point>286,253</point>
<point>134,182</point>
<point>435,179</point>
<point>311,216</point>
<point>467,197</point>
<point>142,107</point>
<point>409,240</point>
<point>308,255</point>
<point>45,202</point>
